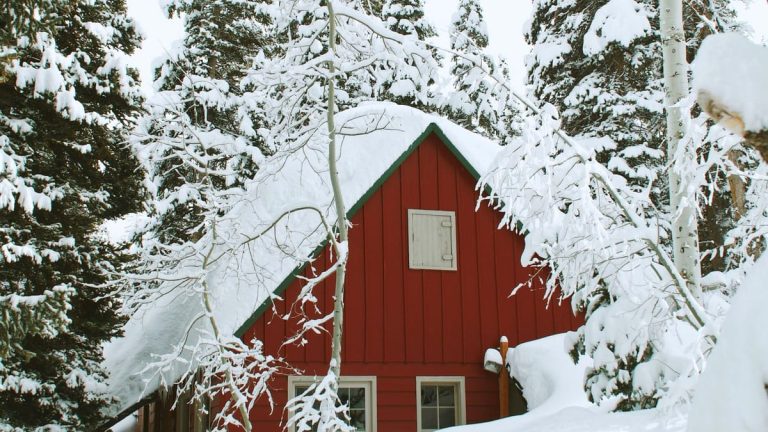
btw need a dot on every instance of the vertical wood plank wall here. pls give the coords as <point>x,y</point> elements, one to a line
<point>403,323</point>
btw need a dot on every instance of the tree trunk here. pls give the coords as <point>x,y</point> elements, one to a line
<point>682,199</point>
<point>341,211</point>
<point>737,187</point>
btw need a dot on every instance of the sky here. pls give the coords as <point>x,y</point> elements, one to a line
<point>506,22</point>
<point>159,32</point>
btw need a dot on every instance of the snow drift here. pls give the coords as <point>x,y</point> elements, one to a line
<point>553,387</point>
<point>732,394</point>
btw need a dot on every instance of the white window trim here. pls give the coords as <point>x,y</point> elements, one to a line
<point>369,382</point>
<point>452,215</point>
<point>461,406</point>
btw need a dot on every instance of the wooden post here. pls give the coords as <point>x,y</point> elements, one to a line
<point>503,379</point>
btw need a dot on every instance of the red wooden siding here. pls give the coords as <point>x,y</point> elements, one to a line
<point>403,323</point>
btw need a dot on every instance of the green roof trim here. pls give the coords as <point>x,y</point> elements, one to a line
<point>277,292</point>
<point>432,128</point>
<point>452,147</point>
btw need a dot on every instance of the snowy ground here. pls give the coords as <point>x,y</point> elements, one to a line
<point>584,420</point>
<point>552,386</point>
<point>732,394</point>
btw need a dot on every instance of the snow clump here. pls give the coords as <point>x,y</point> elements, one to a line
<point>619,21</point>
<point>733,71</point>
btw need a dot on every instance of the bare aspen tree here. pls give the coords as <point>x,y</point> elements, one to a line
<point>338,200</point>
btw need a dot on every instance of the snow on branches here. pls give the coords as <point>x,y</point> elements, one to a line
<point>369,60</point>
<point>581,52</point>
<point>548,186</point>
<point>224,234</point>
<point>729,77</point>
<point>42,315</point>
<point>319,408</point>
<point>68,94</point>
<point>645,328</point>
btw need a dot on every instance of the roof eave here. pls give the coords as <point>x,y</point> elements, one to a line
<point>126,412</point>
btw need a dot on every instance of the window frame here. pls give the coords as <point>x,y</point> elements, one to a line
<point>411,248</point>
<point>365,381</point>
<point>461,402</point>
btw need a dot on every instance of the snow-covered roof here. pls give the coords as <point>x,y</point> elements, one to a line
<point>298,180</point>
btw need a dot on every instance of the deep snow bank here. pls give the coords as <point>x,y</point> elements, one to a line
<point>547,374</point>
<point>552,385</point>
<point>732,394</point>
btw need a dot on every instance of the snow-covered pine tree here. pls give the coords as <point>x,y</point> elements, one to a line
<point>66,95</point>
<point>509,122</point>
<point>478,103</point>
<point>599,63</point>
<point>580,63</point>
<point>195,123</point>
<point>222,36</point>
<point>406,17</point>
<point>200,146</point>
<point>373,7</point>
<point>472,105</point>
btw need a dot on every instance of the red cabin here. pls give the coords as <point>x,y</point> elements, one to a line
<point>429,284</point>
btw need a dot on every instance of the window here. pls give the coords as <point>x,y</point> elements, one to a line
<point>357,391</point>
<point>440,402</point>
<point>432,239</point>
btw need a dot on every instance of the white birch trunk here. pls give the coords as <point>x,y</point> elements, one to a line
<point>685,236</point>
<point>341,211</point>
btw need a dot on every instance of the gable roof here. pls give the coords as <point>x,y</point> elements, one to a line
<point>365,163</point>
<point>432,128</point>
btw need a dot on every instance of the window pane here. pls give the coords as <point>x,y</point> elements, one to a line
<point>343,396</point>
<point>446,395</point>
<point>428,395</point>
<point>429,418</point>
<point>447,417</point>
<point>356,397</point>
<point>357,419</point>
